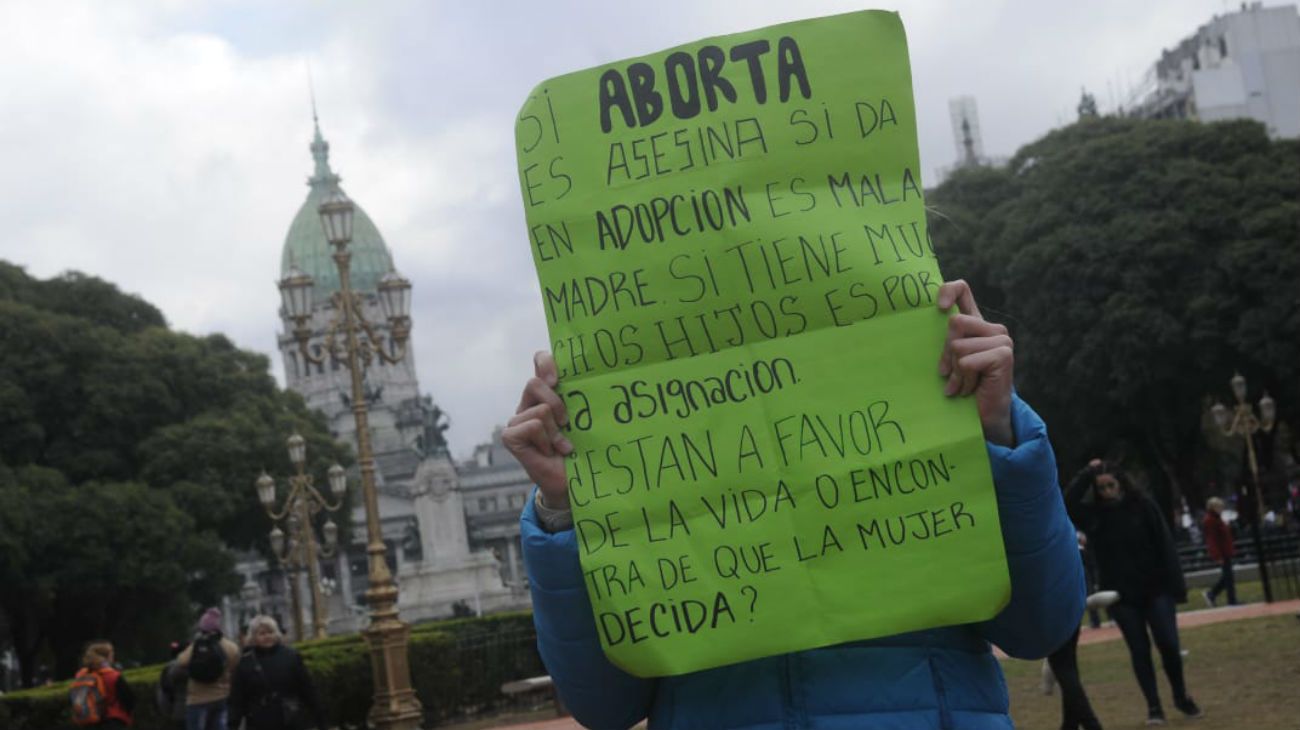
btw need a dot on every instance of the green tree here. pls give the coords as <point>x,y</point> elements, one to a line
<point>129,454</point>
<point>209,462</point>
<point>1138,263</point>
<point>82,296</point>
<point>1087,105</point>
<point>116,560</point>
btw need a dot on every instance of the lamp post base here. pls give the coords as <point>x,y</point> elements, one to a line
<point>1261,559</point>
<point>395,705</point>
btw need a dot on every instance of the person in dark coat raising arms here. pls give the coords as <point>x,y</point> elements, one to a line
<point>1136,556</point>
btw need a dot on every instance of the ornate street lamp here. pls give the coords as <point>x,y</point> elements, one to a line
<point>295,293</point>
<point>395,301</point>
<point>1240,420</point>
<point>301,505</point>
<point>352,341</point>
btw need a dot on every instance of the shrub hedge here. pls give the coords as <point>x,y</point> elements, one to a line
<point>457,668</point>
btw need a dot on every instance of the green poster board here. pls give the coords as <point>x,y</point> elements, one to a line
<point>739,288</point>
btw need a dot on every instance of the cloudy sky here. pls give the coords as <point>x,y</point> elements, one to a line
<point>163,145</point>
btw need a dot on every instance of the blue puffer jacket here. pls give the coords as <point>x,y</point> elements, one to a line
<point>942,678</point>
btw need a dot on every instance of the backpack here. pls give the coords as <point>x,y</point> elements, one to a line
<point>207,658</point>
<point>89,698</point>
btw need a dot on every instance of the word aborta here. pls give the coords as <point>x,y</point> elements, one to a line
<point>695,82</point>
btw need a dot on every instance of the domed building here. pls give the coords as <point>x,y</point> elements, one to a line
<point>421,508</point>
<point>401,422</point>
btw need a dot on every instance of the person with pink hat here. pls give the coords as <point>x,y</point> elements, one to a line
<point>208,663</point>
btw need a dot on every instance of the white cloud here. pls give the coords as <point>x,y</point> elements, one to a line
<point>163,146</point>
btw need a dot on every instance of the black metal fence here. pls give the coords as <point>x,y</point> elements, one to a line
<point>1281,560</point>
<point>482,661</point>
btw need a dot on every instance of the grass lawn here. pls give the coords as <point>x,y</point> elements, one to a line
<point>1251,591</point>
<point>1244,674</point>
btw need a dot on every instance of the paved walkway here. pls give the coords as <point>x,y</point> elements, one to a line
<point>559,723</point>
<point>1203,617</point>
<point>1186,620</point>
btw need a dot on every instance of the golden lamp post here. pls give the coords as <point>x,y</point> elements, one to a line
<point>1241,421</point>
<point>300,508</point>
<point>352,341</point>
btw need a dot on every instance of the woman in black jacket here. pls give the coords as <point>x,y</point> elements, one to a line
<point>1135,556</point>
<point>271,688</point>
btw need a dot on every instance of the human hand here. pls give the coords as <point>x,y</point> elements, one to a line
<point>533,436</point>
<point>978,358</point>
<point>1095,463</point>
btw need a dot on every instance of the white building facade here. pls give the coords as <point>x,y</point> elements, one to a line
<point>1241,65</point>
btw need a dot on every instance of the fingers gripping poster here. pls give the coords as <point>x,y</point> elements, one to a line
<point>740,293</point>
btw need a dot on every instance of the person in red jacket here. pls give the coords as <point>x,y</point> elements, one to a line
<point>1218,543</point>
<point>118,701</point>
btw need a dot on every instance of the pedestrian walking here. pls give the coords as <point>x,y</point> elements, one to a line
<point>209,661</point>
<point>1136,557</point>
<point>939,677</point>
<point>99,694</point>
<point>272,689</point>
<point>171,689</point>
<point>1219,546</point>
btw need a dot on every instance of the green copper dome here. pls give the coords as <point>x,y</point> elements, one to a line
<point>306,248</point>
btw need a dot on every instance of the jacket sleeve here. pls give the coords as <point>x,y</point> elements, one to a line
<point>1213,540</point>
<point>237,701</point>
<point>233,653</point>
<point>1174,581</point>
<point>1047,591</point>
<point>166,683</point>
<point>600,695</point>
<point>307,691</point>
<point>177,674</point>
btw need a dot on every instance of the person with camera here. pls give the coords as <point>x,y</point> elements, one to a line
<point>207,663</point>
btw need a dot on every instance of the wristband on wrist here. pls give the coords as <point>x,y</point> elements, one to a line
<point>552,519</point>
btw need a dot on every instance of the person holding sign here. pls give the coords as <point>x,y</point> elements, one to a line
<point>943,677</point>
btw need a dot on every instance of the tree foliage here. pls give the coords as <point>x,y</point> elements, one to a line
<point>1138,264</point>
<point>1087,105</point>
<point>127,458</point>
